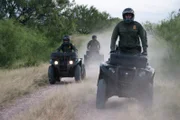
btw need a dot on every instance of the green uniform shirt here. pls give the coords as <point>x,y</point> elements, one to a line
<point>67,47</point>
<point>129,34</point>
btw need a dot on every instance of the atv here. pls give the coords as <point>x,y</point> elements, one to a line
<point>93,57</point>
<point>65,64</point>
<point>125,75</point>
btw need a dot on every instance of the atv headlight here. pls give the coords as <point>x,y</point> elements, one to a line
<point>71,62</point>
<point>56,62</point>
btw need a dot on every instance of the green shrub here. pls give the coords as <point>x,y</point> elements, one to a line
<point>18,43</point>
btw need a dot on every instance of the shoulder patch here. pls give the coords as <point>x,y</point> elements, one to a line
<point>134,27</point>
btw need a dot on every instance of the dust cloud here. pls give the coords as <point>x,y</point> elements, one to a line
<point>166,105</point>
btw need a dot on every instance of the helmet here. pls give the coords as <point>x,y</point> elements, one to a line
<point>66,38</point>
<point>94,37</point>
<point>128,11</point>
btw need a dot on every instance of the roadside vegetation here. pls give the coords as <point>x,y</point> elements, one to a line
<point>167,34</point>
<point>31,30</point>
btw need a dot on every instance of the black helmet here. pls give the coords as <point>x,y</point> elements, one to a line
<point>94,37</point>
<point>66,38</point>
<point>128,11</point>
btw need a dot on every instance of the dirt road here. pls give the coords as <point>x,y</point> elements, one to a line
<point>165,107</point>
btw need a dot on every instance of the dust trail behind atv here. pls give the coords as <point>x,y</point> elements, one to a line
<point>166,105</point>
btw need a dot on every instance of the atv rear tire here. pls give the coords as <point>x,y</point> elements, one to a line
<point>101,94</point>
<point>77,73</point>
<point>85,60</point>
<point>51,75</point>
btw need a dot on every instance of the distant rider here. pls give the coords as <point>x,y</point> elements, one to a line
<point>93,45</point>
<point>67,46</point>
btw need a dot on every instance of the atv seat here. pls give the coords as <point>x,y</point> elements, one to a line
<point>128,60</point>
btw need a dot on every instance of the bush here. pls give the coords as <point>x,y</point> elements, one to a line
<point>18,43</point>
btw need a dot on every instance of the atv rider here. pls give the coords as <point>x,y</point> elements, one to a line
<point>67,46</point>
<point>129,32</point>
<point>93,45</point>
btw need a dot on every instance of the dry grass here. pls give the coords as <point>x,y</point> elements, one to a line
<point>61,104</point>
<point>15,83</point>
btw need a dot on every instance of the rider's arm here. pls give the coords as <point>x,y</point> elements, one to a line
<point>98,44</point>
<point>74,48</point>
<point>88,45</point>
<point>60,48</point>
<point>114,38</point>
<point>143,36</point>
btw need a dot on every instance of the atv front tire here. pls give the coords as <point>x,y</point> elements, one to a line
<point>101,94</point>
<point>51,75</point>
<point>77,73</point>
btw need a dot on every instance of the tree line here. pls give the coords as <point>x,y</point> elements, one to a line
<point>28,26</point>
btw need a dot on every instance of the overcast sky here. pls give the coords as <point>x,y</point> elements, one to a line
<point>151,10</point>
